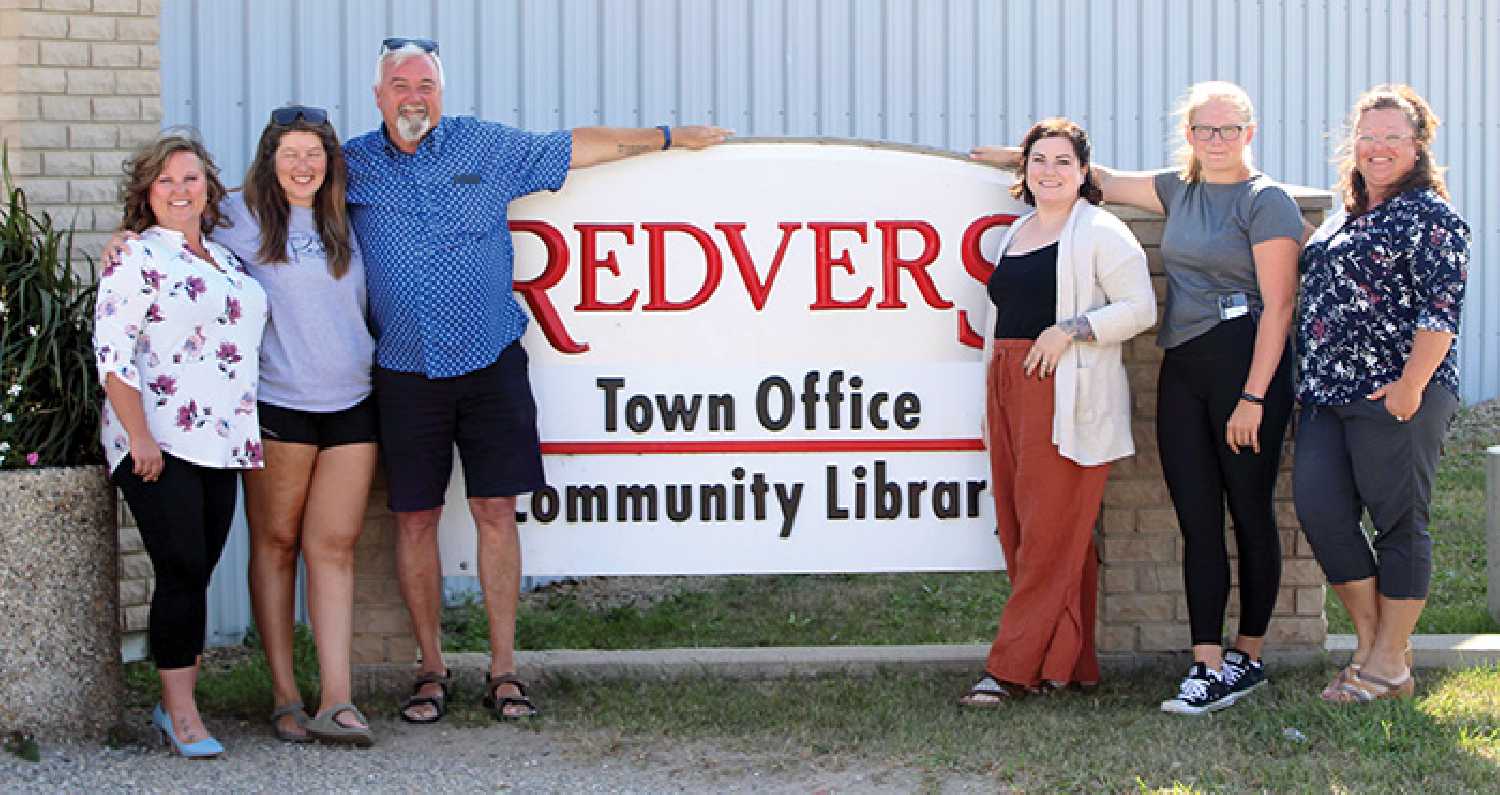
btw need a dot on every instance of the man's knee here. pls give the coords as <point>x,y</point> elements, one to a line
<point>493,513</point>
<point>418,525</point>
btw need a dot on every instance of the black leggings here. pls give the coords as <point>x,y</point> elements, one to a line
<point>184,518</point>
<point>1198,389</point>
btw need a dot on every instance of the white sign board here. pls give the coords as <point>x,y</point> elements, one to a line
<point>756,358</point>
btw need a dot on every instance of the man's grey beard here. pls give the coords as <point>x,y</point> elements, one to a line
<point>411,129</point>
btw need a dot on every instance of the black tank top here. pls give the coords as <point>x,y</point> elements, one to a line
<point>1024,290</point>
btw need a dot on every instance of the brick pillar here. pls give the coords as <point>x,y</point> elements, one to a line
<point>1142,605</point>
<point>382,628</point>
<point>80,88</point>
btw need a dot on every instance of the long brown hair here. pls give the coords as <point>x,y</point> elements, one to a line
<point>1425,173</point>
<point>143,167</point>
<point>1059,127</point>
<point>267,201</point>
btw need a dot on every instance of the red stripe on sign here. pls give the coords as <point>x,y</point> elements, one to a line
<point>691,446</point>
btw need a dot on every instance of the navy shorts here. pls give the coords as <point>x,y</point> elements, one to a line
<point>325,429</point>
<point>489,414</point>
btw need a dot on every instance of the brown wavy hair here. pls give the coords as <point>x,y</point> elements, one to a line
<point>1425,173</point>
<point>1059,127</point>
<point>267,201</point>
<point>142,169</point>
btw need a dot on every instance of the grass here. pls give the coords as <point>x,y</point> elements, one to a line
<point>788,610</point>
<point>1113,739</point>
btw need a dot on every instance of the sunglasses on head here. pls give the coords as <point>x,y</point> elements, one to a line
<point>397,42</point>
<point>291,113</point>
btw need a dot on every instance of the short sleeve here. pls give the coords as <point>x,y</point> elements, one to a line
<point>1274,214</point>
<point>1440,268</point>
<point>242,236</point>
<point>1168,186</point>
<point>127,293</point>
<point>535,161</point>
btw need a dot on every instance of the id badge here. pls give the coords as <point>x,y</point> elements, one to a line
<point>1233,305</point>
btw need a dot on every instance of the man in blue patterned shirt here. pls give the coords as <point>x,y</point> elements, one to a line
<point>428,197</point>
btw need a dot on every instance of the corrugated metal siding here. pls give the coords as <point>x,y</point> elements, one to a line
<point>941,73</point>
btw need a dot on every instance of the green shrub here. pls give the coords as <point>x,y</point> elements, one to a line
<point>49,394</point>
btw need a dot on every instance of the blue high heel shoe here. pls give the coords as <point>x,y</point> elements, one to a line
<point>203,749</point>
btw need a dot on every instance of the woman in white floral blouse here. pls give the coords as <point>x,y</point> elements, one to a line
<point>1382,290</point>
<point>176,338</point>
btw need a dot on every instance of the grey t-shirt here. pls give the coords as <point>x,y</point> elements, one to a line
<point>317,351</point>
<point>1206,246</point>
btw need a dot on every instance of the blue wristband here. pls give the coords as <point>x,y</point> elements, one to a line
<point>666,135</point>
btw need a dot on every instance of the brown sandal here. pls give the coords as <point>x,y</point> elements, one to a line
<point>497,703</point>
<point>1362,688</point>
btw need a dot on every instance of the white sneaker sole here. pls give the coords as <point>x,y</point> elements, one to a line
<point>1179,707</point>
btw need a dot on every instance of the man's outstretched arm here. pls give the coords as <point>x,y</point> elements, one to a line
<point>595,145</point>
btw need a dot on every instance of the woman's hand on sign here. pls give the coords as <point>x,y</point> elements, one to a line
<point>699,136</point>
<point>1002,156</point>
<point>1047,352</point>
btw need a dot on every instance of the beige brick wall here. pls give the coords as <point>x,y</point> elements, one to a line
<point>80,87</point>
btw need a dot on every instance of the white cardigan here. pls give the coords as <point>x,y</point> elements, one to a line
<point>1101,274</point>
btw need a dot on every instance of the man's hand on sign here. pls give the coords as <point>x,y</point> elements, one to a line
<point>1002,156</point>
<point>699,136</point>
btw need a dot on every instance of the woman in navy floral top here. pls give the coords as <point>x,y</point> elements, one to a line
<point>1382,288</point>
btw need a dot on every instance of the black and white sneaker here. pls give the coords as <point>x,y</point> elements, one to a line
<point>1202,691</point>
<point>1242,674</point>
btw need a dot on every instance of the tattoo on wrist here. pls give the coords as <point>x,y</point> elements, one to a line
<point>1078,328</point>
<point>627,150</point>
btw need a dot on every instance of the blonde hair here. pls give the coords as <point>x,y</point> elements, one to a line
<point>1425,173</point>
<point>1196,96</point>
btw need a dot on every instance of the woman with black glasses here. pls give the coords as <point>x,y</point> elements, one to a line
<point>290,228</point>
<point>1224,394</point>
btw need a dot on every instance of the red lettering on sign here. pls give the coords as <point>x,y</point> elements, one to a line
<point>656,263</point>
<point>589,265</point>
<point>892,264</point>
<point>534,291</point>
<point>758,290</point>
<point>824,260</point>
<point>978,267</point>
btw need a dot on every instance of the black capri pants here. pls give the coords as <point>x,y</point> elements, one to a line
<point>184,518</point>
<point>1199,387</point>
<point>1357,457</point>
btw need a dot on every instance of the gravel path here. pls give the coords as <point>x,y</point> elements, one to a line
<point>492,758</point>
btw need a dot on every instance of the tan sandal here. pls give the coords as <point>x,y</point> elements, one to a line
<point>324,727</point>
<point>299,716</point>
<point>1362,688</point>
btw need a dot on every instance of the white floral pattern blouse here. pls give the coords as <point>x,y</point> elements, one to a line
<point>186,335</point>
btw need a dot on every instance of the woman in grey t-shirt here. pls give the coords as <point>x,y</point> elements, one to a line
<point>1229,252</point>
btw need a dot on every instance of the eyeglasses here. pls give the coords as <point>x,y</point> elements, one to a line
<point>1392,140</point>
<point>397,42</point>
<point>289,114</point>
<point>1227,132</point>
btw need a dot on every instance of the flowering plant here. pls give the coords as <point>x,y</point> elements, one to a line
<point>49,394</point>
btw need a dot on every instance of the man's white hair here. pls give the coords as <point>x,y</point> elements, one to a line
<point>400,55</point>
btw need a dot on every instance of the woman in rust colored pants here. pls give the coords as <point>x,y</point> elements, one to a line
<point>1070,286</point>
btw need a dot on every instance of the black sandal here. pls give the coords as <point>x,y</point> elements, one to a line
<point>991,692</point>
<point>497,703</point>
<point>416,699</point>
